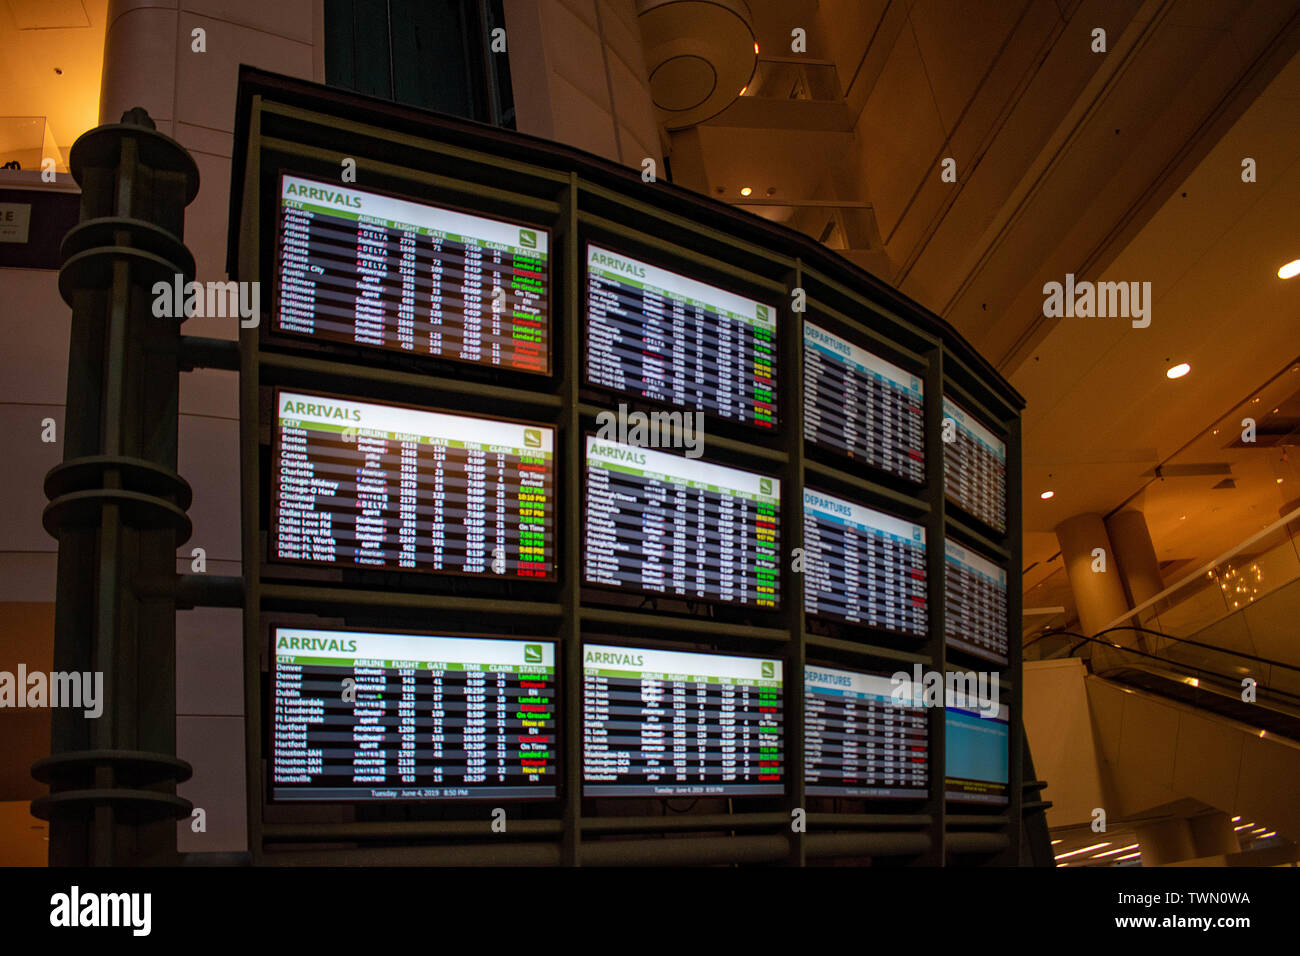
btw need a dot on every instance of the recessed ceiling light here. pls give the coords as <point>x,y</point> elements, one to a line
<point>1292,268</point>
<point>755,46</point>
<point>1179,370</point>
<point>746,190</point>
<point>1047,494</point>
<point>1279,481</point>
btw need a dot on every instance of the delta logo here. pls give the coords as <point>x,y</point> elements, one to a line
<point>298,191</point>
<point>312,410</point>
<point>618,265</point>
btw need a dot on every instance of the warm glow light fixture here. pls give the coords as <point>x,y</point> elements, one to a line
<point>1086,849</point>
<point>1179,370</point>
<point>1289,270</point>
<point>1047,494</point>
<point>746,190</point>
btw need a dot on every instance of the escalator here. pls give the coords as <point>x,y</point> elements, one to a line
<point>1140,720</point>
<point>1194,673</point>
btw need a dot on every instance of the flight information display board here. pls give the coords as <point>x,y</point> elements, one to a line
<point>665,524</point>
<point>863,566</point>
<point>663,336</point>
<point>363,485</point>
<point>370,269</point>
<point>976,755</point>
<point>672,723</point>
<point>424,717</point>
<point>860,740</point>
<point>975,603</point>
<point>859,405</point>
<point>975,468</point>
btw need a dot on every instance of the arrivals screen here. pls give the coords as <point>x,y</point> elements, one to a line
<point>861,741</point>
<point>863,566</point>
<point>362,485</point>
<point>670,723</point>
<point>975,603</point>
<point>424,717</point>
<point>976,753</point>
<point>375,270</point>
<point>859,405</point>
<point>682,527</point>
<point>975,468</point>
<point>662,336</point>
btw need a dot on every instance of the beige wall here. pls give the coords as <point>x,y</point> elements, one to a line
<point>579,76</point>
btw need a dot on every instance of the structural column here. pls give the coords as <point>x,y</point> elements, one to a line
<point>1135,555</point>
<point>1098,594</point>
<point>117,507</point>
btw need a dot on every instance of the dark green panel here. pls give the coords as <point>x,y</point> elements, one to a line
<point>432,50</point>
<point>356,46</point>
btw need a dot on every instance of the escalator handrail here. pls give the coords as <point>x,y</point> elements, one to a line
<point>1130,650</point>
<point>1168,637</point>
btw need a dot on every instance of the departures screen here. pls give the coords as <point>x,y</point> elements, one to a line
<point>681,527</point>
<point>863,566</point>
<point>671,723</point>
<point>975,604</point>
<point>372,716</point>
<point>859,739</point>
<point>375,270</point>
<point>662,336</point>
<point>976,755</point>
<point>975,468</point>
<point>859,405</point>
<point>363,485</point>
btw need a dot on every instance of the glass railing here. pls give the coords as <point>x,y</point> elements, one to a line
<point>1225,602</point>
<point>1198,666</point>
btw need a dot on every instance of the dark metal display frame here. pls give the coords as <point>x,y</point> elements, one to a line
<point>292,125</point>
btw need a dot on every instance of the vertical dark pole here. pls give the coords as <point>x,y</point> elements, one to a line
<point>117,506</point>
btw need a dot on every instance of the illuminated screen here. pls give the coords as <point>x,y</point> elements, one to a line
<point>976,753</point>
<point>681,527</point>
<point>363,485</point>
<point>670,723</point>
<point>861,406</point>
<point>861,741</point>
<point>424,718</point>
<point>975,468</point>
<point>975,603</point>
<point>662,336</point>
<point>863,566</point>
<point>374,270</point>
